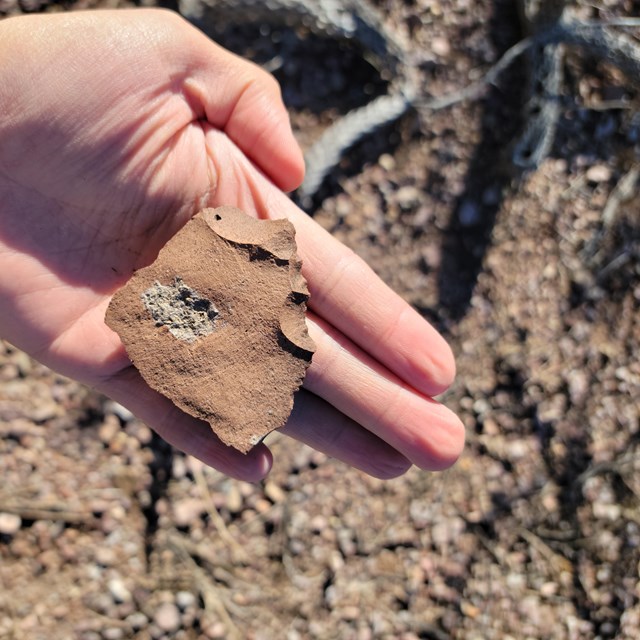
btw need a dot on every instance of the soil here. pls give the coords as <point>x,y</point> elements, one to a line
<point>108,533</point>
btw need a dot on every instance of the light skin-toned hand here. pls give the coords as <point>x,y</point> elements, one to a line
<point>116,128</point>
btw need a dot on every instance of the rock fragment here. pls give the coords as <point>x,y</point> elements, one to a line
<point>10,524</point>
<point>216,323</point>
<point>167,617</point>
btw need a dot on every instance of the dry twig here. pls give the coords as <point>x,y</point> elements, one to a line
<point>238,553</point>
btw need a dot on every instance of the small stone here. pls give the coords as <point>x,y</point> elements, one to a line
<point>408,197</point>
<point>318,524</point>
<point>233,502</point>
<point>179,467</point>
<point>212,629</point>
<point>23,362</point>
<point>440,46</point>
<point>155,632</point>
<point>469,610</point>
<point>108,429</point>
<point>8,371</point>
<point>60,611</point>
<point>548,589</point>
<point>598,173</point>
<point>137,620</point>
<point>387,162</point>
<point>140,432</point>
<point>421,217</point>
<point>167,617</point>
<point>113,633</point>
<point>187,511</point>
<point>274,492</point>
<point>578,385</point>
<point>102,603</point>
<point>262,506</point>
<point>604,511</point>
<point>105,556</point>
<point>45,410</point>
<point>119,591</point>
<point>350,612</point>
<point>10,523</point>
<point>185,599</point>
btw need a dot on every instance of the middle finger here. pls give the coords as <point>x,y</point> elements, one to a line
<point>423,430</point>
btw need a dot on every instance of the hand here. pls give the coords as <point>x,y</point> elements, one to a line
<point>117,127</point>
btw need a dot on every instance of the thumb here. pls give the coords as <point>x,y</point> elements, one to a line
<point>241,99</point>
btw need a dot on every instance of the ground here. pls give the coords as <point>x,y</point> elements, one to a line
<point>535,533</point>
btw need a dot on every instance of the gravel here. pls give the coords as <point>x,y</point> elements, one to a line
<point>535,533</point>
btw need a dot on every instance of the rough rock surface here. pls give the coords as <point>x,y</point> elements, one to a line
<point>216,323</point>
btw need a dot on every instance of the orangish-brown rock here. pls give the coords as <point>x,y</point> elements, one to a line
<point>217,323</point>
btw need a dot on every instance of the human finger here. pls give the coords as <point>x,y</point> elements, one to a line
<point>321,426</point>
<point>421,429</point>
<point>345,291</point>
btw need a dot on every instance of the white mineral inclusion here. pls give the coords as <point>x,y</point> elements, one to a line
<point>186,314</point>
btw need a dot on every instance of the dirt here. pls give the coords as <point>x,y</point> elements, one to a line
<point>535,533</point>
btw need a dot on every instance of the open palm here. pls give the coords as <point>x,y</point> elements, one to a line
<point>117,128</point>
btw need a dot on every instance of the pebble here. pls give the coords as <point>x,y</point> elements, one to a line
<point>24,363</point>
<point>179,467</point>
<point>318,523</point>
<point>346,542</point>
<point>213,630</point>
<point>101,603</point>
<point>599,173</point>
<point>113,633</point>
<point>350,612</point>
<point>387,162</point>
<point>45,410</point>
<point>167,617</point>
<point>603,511</point>
<point>408,197</point>
<point>10,523</point>
<point>440,46</point>
<point>422,217</point>
<point>106,556</point>
<point>469,610</point>
<point>119,591</point>
<point>262,506</point>
<point>187,511</point>
<point>8,371</point>
<point>274,492</point>
<point>578,386</point>
<point>185,599</point>
<point>108,429</point>
<point>548,589</point>
<point>137,620</point>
